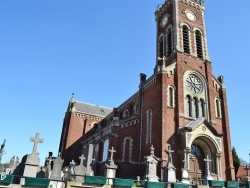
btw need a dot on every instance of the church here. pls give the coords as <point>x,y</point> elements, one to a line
<point>181,106</point>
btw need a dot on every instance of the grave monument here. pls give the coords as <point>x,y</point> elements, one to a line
<point>152,162</point>
<point>80,170</point>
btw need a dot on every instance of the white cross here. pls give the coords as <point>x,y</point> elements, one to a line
<point>82,158</point>
<point>152,149</point>
<point>36,140</point>
<point>207,160</point>
<point>112,151</point>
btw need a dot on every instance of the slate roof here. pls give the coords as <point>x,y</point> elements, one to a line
<point>92,109</point>
<point>242,171</point>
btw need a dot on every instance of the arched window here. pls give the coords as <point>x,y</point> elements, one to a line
<point>218,108</point>
<point>125,114</point>
<point>137,108</point>
<point>170,96</point>
<point>169,42</point>
<point>188,106</point>
<point>105,150</point>
<point>199,49</point>
<point>161,47</point>
<point>149,126</point>
<point>127,148</point>
<point>185,36</point>
<point>202,108</point>
<point>195,107</point>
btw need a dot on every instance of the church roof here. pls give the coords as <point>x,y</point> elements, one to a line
<point>92,109</point>
<point>242,171</point>
<point>193,124</point>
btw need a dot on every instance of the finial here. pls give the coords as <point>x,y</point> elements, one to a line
<point>72,97</point>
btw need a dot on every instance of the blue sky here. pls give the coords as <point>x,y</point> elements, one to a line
<point>97,49</point>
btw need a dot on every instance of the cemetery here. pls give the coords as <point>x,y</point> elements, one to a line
<point>27,173</point>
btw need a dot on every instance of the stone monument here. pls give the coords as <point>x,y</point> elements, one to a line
<point>14,162</point>
<point>169,169</point>
<point>185,177</point>
<point>2,168</point>
<point>72,165</point>
<point>90,172</point>
<point>152,161</point>
<point>80,170</point>
<point>208,174</point>
<point>110,166</point>
<point>56,173</point>
<point>32,161</point>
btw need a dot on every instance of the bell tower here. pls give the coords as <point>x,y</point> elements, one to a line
<point>181,28</point>
<point>191,96</point>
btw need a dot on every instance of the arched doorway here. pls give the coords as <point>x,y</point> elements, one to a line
<point>196,164</point>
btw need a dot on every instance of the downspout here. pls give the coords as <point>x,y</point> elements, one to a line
<point>142,80</point>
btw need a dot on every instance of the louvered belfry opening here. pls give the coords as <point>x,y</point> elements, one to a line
<point>185,35</point>
<point>161,44</point>
<point>199,44</point>
<point>169,41</point>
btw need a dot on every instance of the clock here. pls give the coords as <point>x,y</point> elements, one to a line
<point>164,21</point>
<point>193,84</point>
<point>190,15</point>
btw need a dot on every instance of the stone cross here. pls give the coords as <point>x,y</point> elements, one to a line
<point>169,152</point>
<point>36,140</point>
<point>59,154</point>
<point>72,163</point>
<point>207,161</point>
<point>152,150</point>
<point>82,158</point>
<point>1,150</point>
<point>247,168</point>
<point>112,151</point>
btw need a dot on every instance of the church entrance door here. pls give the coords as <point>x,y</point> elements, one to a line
<point>196,164</point>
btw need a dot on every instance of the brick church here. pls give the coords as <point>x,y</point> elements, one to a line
<point>181,105</point>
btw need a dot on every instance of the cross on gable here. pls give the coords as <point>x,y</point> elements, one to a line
<point>112,151</point>
<point>82,158</point>
<point>36,140</point>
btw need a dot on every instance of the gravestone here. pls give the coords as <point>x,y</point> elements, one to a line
<point>2,168</point>
<point>80,170</point>
<point>41,173</point>
<point>110,168</point>
<point>185,177</point>
<point>72,165</point>
<point>66,174</point>
<point>56,173</point>
<point>48,164</point>
<point>14,162</point>
<point>208,174</point>
<point>152,162</point>
<point>89,161</point>
<point>169,169</point>
<point>32,162</point>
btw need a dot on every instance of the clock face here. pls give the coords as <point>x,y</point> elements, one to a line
<point>193,84</point>
<point>164,21</point>
<point>190,15</point>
